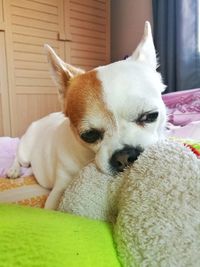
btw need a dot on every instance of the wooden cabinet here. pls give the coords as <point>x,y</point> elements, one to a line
<point>78,30</point>
<point>4,92</point>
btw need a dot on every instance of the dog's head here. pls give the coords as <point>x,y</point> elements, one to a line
<point>115,110</point>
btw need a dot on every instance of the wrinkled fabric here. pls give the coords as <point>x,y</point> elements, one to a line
<point>8,147</point>
<point>183,107</point>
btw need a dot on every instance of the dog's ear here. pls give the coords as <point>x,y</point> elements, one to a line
<point>145,52</point>
<point>61,71</point>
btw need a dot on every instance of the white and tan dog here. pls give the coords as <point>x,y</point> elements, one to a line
<point>110,115</point>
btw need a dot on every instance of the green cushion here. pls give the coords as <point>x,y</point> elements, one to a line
<point>36,237</point>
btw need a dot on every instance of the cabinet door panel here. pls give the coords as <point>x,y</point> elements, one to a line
<point>33,104</point>
<point>90,26</point>
<point>31,24</point>
<point>79,31</point>
<point>5,127</point>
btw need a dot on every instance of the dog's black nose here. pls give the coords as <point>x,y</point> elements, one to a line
<point>124,157</point>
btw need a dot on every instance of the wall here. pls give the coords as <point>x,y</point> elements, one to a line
<point>127,25</point>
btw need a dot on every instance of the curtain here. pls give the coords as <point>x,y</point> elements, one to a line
<point>176,37</point>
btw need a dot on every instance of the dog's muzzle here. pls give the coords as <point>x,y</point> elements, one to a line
<point>124,157</point>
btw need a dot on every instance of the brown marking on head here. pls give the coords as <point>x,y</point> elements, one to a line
<point>81,93</point>
<point>61,72</point>
<point>85,97</point>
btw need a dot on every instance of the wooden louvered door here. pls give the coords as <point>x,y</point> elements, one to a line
<point>90,33</point>
<point>4,101</point>
<point>30,24</point>
<point>77,30</point>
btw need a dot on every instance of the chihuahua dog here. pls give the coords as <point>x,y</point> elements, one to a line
<point>110,115</point>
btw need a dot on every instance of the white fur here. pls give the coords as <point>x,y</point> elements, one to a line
<point>128,87</point>
<point>54,154</point>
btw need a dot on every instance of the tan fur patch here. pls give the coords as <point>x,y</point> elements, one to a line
<point>84,96</point>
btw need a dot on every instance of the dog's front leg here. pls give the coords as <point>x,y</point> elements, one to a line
<point>14,171</point>
<point>55,195</point>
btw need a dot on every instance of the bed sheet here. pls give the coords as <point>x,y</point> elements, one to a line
<point>8,147</point>
<point>24,190</point>
<point>183,107</point>
<point>183,110</point>
<point>190,131</point>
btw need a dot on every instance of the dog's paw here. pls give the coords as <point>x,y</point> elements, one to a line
<point>14,172</point>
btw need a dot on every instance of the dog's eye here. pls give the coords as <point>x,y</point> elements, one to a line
<point>91,136</point>
<point>148,117</point>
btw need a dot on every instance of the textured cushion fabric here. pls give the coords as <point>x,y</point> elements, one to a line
<point>36,237</point>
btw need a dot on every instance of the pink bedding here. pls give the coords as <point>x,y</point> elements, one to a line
<point>8,147</point>
<point>183,106</point>
<point>24,190</point>
<point>184,113</point>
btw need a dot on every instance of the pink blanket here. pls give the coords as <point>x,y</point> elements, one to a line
<point>8,147</point>
<point>184,113</point>
<point>183,106</point>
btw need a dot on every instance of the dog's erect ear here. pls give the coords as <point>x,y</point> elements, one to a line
<point>145,52</point>
<point>61,71</point>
